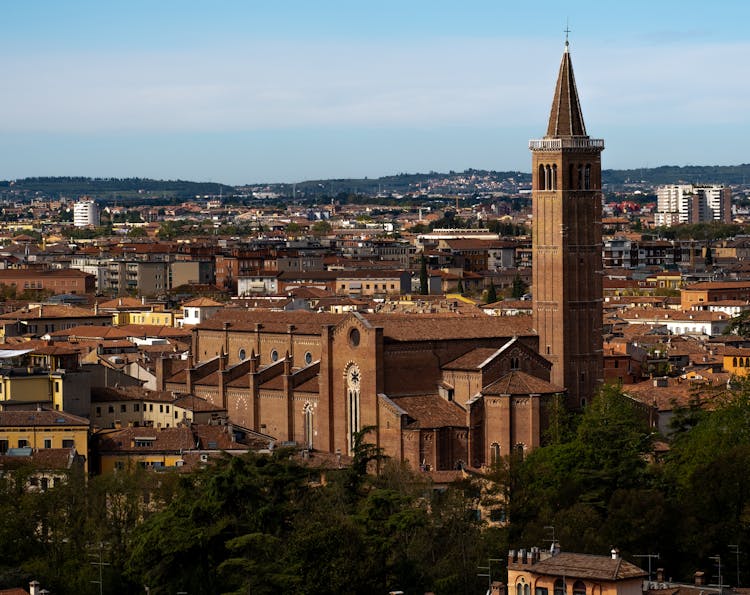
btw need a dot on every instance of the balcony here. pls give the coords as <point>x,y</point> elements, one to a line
<point>573,142</point>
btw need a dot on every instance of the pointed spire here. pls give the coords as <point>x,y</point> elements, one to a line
<point>566,118</point>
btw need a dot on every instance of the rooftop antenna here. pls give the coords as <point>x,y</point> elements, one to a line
<point>650,557</point>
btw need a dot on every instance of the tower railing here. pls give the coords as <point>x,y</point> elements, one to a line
<point>574,142</point>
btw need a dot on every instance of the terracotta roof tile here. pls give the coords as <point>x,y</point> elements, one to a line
<point>521,383</point>
<point>585,566</point>
<point>431,411</point>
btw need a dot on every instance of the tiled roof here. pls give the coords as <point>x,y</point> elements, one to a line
<point>50,311</point>
<point>38,418</point>
<point>521,383</point>
<point>471,360</point>
<point>91,332</point>
<point>585,566</point>
<point>431,411</point>
<point>101,394</point>
<point>202,302</point>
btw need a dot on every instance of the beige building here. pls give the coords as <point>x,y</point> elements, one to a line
<point>538,572</point>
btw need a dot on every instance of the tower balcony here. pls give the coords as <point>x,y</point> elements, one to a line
<point>571,142</point>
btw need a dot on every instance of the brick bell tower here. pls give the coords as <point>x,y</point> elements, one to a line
<point>567,243</point>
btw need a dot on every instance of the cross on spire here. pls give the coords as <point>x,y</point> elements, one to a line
<point>567,30</point>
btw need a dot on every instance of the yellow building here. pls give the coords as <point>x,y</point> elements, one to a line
<point>163,448</point>
<point>38,430</point>
<point>127,310</point>
<point>737,361</point>
<point>553,572</point>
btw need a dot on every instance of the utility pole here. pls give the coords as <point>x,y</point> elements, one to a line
<point>650,557</point>
<point>717,559</point>
<point>735,549</point>
<point>488,574</point>
<point>100,564</point>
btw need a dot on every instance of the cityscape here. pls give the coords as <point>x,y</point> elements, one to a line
<point>527,371</point>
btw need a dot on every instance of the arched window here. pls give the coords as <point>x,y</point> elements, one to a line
<point>353,410</point>
<point>579,588</point>
<point>587,177</point>
<point>540,181</point>
<point>734,361</point>
<point>559,587</point>
<point>495,453</point>
<point>515,363</point>
<point>554,176</point>
<point>571,185</point>
<point>307,420</point>
<point>242,354</point>
<point>747,362</point>
<point>519,589</point>
<point>527,589</point>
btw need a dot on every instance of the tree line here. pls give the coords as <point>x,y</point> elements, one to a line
<point>269,523</point>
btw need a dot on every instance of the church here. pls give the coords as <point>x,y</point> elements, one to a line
<point>439,391</point>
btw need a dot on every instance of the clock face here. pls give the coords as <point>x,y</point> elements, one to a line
<point>353,376</point>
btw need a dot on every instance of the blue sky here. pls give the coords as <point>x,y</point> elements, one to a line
<point>249,91</point>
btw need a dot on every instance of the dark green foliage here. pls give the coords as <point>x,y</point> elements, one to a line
<point>491,294</point>
<point>424,287</point>
<point>519,287</point>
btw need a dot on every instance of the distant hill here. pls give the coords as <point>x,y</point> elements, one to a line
<point>142,190</point>
<point>675,174</point>
<point>121,189</point>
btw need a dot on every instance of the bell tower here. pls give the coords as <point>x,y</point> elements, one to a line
<point>567,243</point>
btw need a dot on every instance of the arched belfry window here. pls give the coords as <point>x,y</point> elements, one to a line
<point>307,421</point>
<point>554,176</point>
<point>587,177</point>
<point>540,178</point>
<point>580,178</point>
<point>353,380</point>
<point>579,588</point>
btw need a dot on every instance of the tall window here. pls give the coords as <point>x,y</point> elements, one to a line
<point>579,588</point>
<point>352,393</point>
<point>495,453</point>
<point>307,415</point>
<point>559,587</point>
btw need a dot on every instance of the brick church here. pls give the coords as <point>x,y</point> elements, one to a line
<point>441,391</point>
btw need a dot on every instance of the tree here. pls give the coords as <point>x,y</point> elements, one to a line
<point>519,287</point>
<point>460,286</point>
<point>321,228</point>
<point>491,294</point>
<point>424,287</point>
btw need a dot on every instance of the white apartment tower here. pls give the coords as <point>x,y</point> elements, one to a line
<point>85,213</point>
<point>690,203</point>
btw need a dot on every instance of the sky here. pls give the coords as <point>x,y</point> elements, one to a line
<point>251,91</point>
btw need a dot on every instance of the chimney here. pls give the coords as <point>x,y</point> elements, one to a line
<point>34,588</point>
<point>659,575</point>
<point>615,553</point>
<point>699,578</point>
<point>512,556</point>
<point>554,549</point>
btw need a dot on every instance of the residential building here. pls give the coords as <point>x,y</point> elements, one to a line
<point>85,213</point>
<point>43,429</point>
<point>691,203</point>
<point>565,573</point>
